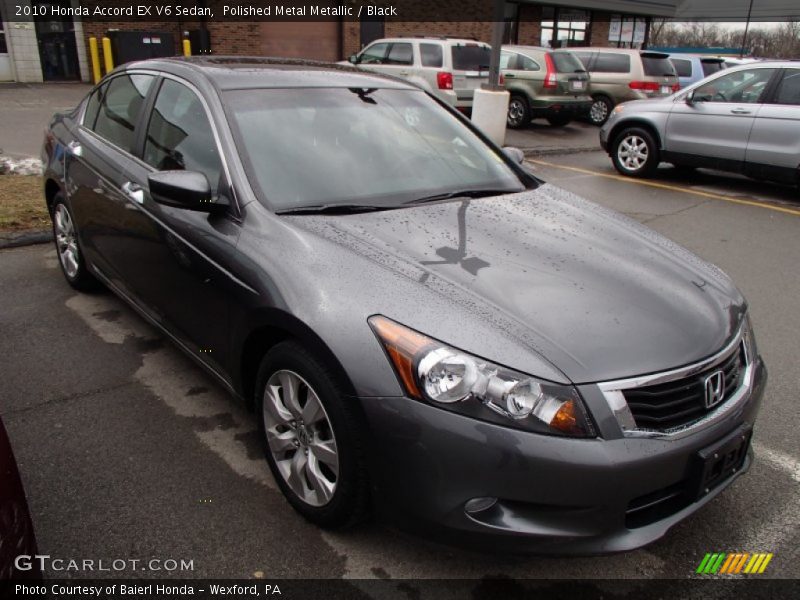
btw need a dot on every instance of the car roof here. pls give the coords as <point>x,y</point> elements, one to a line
<point>254,72</point>
<point>431,38</point>
<point>523,49</point>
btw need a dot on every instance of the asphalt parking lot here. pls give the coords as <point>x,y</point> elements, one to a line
<point>128,450</point>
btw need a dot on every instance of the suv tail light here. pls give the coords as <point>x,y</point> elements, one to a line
<point>676,87</point>
<point>502,79</point>
<point>646,86</point>
<point>550,72</point>
<point>444,80</point>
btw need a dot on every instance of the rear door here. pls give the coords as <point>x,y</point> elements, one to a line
<point>470,62</point>
<point>97,168</point>
<point>773,149</point>
<point>717,124</point>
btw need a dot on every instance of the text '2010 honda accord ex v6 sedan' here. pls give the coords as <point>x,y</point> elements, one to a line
<point>426,331</point>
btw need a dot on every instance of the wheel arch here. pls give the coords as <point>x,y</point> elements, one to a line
<point>271,327</point>
<point>636,122</point>
<point>51,189</point>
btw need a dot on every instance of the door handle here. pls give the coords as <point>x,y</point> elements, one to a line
<point>404,73</point>
<point>133,191</point>
<point>509,75</point>
<point>740,111</point>
<point>75,148</point>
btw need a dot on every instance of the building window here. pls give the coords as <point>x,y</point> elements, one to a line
<point>563,27</point>
<point>627,31</point>
<point>3,47</point>
<point>511,30</point>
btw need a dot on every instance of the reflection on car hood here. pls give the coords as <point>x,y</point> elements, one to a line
<point>595,293</point>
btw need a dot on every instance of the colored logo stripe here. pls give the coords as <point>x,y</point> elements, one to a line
<point>734,563</point>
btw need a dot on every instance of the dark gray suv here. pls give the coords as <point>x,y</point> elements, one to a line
<point>425,330</point>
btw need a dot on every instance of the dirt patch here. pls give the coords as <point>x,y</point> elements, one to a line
<point>22,205</point>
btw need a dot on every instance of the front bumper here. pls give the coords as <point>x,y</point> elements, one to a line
<point>555,495</point>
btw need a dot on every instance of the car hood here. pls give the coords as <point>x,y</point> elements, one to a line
<point>593,292</point>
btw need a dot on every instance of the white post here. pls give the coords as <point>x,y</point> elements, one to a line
<point>490,104</point>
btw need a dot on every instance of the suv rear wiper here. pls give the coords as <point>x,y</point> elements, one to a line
<point>332,209</point>
<point>462,194</point>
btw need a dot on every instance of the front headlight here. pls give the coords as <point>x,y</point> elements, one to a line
<point>455,380</point>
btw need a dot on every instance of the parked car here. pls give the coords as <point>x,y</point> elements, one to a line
<point>450,68</point>
<point>621,74</point>
<point>423,327</point>
<point>16,530</point>
<point>744,119</point>
<point>691,68</point>
<point>732,61</point>
<point>545,84</point>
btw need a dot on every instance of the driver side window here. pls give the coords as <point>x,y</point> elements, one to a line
<point>374,55</point>
<point>741,87</point>
<point>179,135</point>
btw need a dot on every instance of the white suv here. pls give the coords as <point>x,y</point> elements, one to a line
<point>450,68</point>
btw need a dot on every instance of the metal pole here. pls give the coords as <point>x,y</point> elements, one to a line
<point>746,27</point>
<point>497,41</point>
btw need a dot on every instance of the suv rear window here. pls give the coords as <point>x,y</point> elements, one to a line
<point>712,66</point>
<point>608,62</point>
<point>565,62</point>
<point>657,65</point>
<point>682,66</point>
<point>472,57</point>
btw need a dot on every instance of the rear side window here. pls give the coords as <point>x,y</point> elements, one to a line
<point>120,103</point>
<point>566,62</point>
<point>375,54</point>
<point>682,66</point>
<point>431,55</point>
<point>527,64</point>
<point>608,62</point>
<point>508,60</point>
<point>472,57</point>
<point>789,88</point>
<point>400,54</point>
<point>179,135</point>
<point>711,66</point>
<point>657,66</point>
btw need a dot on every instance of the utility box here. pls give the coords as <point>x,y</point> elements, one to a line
<point>128,46</point>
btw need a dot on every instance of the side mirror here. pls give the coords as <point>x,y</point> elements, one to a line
<point>353,59</point>
<point>514,154</point>
<point>183,189</point>
<point>689,99</point>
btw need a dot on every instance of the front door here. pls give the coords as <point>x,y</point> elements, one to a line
<point>58,51</point>
<point>717,123</point>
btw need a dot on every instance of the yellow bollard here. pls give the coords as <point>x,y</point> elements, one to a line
<point>187,48</point>
<point>107,56</point>
<point>95,57</point>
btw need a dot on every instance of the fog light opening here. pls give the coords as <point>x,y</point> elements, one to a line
<point>477,505</point>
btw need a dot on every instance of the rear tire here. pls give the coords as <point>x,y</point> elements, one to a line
<point>559,120</point>
<point>311,437</point>
<point>519,112</point>
<point>600,110</point>
<point>635,152</point>
<point>68,248</point>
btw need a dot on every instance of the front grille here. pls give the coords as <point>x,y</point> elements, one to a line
<point>679,403</point>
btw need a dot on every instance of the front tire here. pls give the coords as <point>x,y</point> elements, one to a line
<point>635,152</point>
<point>70,256</point>
<point>519,112</point>
<point>600,110</point>
<point>311,437</point>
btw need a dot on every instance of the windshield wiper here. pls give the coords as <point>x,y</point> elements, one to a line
<point>332,209</point>
<point>462,194</point>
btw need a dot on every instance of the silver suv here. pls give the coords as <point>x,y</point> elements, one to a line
<point>450,68</point>
<point>745,119</point>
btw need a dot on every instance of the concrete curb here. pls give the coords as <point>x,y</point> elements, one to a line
<point>552,151</point>
<point>25,238</point>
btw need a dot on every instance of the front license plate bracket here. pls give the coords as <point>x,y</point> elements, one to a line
<point>716,463</point>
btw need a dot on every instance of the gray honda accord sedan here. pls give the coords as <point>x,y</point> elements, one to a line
<point>426,331</point>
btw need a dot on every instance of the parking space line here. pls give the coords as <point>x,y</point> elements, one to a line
<point>780,460</point>
<point>666,186</point>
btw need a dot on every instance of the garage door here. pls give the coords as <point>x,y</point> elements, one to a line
<point>293,39</point>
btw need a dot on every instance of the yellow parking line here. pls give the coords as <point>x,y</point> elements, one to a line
<point>674,188</point>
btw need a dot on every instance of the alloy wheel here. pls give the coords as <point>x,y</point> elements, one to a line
<point>632,152</point>
<point>599,112</point>
<point>300,438</point>
<point>66,242</point>
<point>516,112</point>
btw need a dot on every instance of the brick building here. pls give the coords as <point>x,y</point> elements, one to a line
<point>44,49</point>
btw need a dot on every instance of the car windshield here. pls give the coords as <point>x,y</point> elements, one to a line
<point>351,146</point>
<point>471,57</point>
